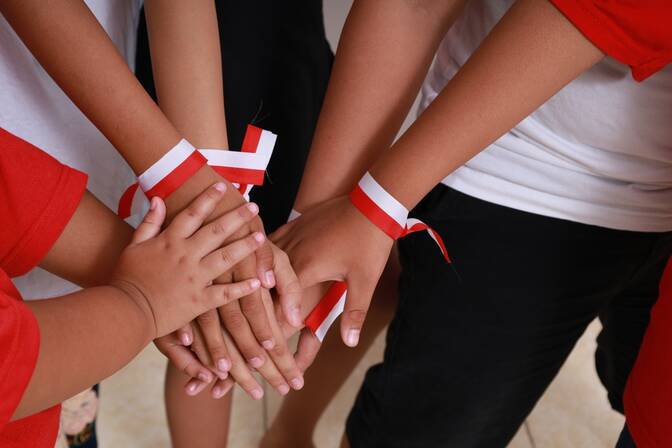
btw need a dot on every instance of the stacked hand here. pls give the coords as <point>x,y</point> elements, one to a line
<point>238,338</point>
<point>332,241</point>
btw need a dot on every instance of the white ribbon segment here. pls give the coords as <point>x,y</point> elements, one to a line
<point>165,165</point>
<point>384,200</point>
<point>336,311</point>
<point>237,159</point>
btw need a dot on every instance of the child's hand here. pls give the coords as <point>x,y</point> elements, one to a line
<point>170,274</point>
<point>280,371</point>
<point>334,241</point>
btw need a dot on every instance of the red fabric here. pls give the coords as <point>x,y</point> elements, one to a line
<point>648,394</point>
<point>375,214</point>
<point>38,196</point>
<point>635,32</point>
<point>178,176</point>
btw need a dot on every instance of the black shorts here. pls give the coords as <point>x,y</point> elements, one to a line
<point>472,347</point>
<point>276,63</point>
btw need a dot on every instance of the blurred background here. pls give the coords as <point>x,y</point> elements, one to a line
<point>573,412</point>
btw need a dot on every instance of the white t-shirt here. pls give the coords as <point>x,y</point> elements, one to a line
<point>599,152</point>
<point>33,107</point>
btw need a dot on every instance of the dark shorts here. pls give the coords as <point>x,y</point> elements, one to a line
<point>473,346</point>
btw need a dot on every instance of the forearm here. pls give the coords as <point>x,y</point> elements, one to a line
<point>536,51</point>
<point>67,40</point>
<point>87,251</point>
<point>187,68</point>
<point>187,71</point>
<point>74,49</point>
<point>84,338</point>
<point>385,50</point>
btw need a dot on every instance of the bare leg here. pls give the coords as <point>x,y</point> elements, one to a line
<point>301,410</point>
<point>195,422</point>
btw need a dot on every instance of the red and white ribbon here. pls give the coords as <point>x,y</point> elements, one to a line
<point>243,168</point>
<point>248,166</point>
<point>389,215</point>
<point>171,171</point>
<point>327,310</point>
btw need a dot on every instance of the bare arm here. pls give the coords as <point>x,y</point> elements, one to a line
<point>385,50</point>
<point>74,49</point>
<point>536,51</point>
<point>188,77</point>
<point>160,282</point>
<point>187,66</point>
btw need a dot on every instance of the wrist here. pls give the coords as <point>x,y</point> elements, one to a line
<point>141,312</point>
<point>197,184</point>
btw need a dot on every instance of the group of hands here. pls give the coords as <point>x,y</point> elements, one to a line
<point>222,299</point>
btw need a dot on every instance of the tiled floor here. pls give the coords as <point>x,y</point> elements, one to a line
<point>572,414</point>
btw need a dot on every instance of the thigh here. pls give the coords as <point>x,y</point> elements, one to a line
<point>474,345</point>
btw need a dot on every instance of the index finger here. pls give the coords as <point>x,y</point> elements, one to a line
<point>194,215</point>
<point>253,307</point>
<point>287,286</point>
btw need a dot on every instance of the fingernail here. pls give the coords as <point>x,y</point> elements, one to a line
<point>297,383</point>
<point>191,388</point>
<point>256,362</point>
<point>259,236</point>
<point>220,186</point>
<point>217,392</point>
<point>153,203</point>
<point>255,283</point>
<point>268,344</point>
<point>254,208</point>
<point>270,277</point>
<point>223,365</point>
<point>352,337</point>
<point>283,389</point>
<point>257,394</point>
<point>186,339</point>
<point>204,377</point>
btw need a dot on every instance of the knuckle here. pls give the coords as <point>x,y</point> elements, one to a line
<point>207,319</point>
<point>228,258</point>
<point>356,316</point>
<point>218,227</point>
<point>280,350</point>
<point>192,212</point>
<point>234,321</point>
<point>211,194</point>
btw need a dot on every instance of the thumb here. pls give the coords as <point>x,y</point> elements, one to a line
<point>151,224</point>
<point>358,299</point>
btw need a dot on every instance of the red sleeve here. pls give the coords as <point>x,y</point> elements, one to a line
<point>38,196</point>
<point>19,345</point>
<point>637,33</point>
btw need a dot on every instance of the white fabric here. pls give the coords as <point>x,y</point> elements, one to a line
<point>336,311</point>
<point>165,165</point>
<point>33,107</point>
<point>236,159</point>
<point>599,152</point>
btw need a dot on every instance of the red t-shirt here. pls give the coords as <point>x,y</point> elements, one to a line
<point>639,33</point>
<point>38,196</point>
